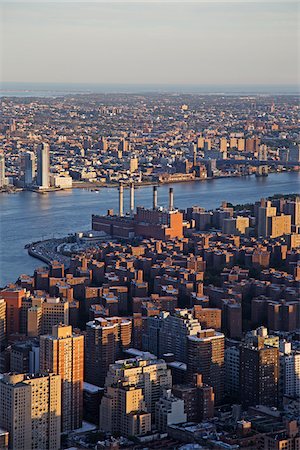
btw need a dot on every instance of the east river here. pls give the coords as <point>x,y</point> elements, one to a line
<point>26,217</point>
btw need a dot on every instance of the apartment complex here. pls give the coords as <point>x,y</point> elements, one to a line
<point>31,411</point>
<point>206,356</point>
<point>104,341</point>
<point>62,353</point>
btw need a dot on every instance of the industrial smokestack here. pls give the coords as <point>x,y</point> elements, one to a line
<point>154,197</point>
<point>131,198</point>
<point>171,199</point>
<point>121,190</point>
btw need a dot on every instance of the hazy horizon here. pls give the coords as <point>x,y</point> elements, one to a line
<point>45,89</point>
<point>221,43</point>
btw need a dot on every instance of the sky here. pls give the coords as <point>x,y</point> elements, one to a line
<point>189,43</point>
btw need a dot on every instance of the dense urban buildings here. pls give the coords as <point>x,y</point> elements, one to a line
<point>158,326</point>
<point>99,140</point>
<point>145,332</point>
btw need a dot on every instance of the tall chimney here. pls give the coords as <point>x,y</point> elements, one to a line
<point>154,197</point>
<point>171,199</point>
<point>131,197</point>
<point>121,190</point>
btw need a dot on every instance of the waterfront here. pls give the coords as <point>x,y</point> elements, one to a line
<point>28,216</point>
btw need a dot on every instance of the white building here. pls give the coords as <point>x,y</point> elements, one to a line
<point>289,370</point>
<point>64,182</point>
<point>232,371</point>
<point>169,410</point>
<point>43,165</point>
<point>3,180</point>
<point>29,168</point>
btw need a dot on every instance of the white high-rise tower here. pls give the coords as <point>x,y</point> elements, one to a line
<point>43,165</point>
<point>29,168</point>
<point>2,171</point>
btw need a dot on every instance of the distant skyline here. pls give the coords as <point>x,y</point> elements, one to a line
<point>237,42</point>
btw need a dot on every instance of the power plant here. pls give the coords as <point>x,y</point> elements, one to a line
<point>156,223</point>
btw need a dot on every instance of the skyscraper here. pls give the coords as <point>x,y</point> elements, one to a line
<point>265,211</point>
<point>2,171</point>
<point>62,353</point>
<point>29,168</point>
<point>259,372</point>
<point>206,356</point>
<point>105,338</point>
<point>32,410</point>
<point>289,370</point>
<point>43,165</point>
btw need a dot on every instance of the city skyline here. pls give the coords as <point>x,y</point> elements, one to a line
<point>150,225</point>
<point>216,43</point>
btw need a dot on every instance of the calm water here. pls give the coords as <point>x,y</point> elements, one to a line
<point>58,89</point>
<point>28,216</point>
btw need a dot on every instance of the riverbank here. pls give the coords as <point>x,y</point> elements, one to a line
<point>27,217</point>
<point>46,251</point>
<point>96,186</point>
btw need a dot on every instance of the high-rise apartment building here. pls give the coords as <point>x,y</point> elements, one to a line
<point>150,375</point>
<point>259,375</point>
<point>29,168</point>
<point>13,299</point>
<point>265,211</point>
<point>104,341</point>
<point>233,143</point>
<point>223,145</point>
<point>241,144</point>
<point>289,370</point>
<point>198,399</point>
<point>292,208</point>
<point>133,164</point>
<point>2,171</point>
<point>279,225</point>
<point>168,333</point>
<point>25,357</point>
<point>2,321</point>
<point>205,353</point>
<point>123,411</point>
<point>174,331</point>
<point>62,353</point>
<point>232,372</point>
<point>39,314</point>
<point>54,311</point>
<point>43,165</point>
<point>294,153</point>
<point>30,411</point>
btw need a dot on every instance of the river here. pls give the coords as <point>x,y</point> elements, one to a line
<point>28,216</point>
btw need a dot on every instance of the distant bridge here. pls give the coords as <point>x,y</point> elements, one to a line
<point>221,163</point>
